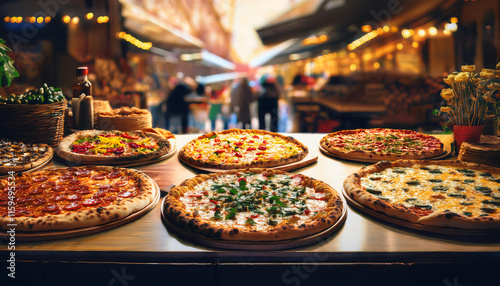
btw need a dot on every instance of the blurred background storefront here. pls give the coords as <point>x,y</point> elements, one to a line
<point>338,63</point>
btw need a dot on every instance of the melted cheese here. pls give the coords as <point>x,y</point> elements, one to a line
<point>298,204</point>
<point>447,190</point>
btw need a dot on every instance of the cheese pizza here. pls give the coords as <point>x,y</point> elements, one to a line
<point>449,194</point>
<point>237,148</point>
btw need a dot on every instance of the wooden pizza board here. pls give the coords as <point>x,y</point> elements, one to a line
<point>62,234</point>
<point>443,155</point>
<point>416,226</point>
<point>253,245</point>
<point>308,160</point>
<point>32,169</point>
<point>171,152</point>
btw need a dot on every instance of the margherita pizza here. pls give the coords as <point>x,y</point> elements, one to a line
<point>112,147</point>
<point>381,144</point>
<point>237,148</point>
<point>253,205</point>
<point>436,193</point>
<point>17,156</point>
<point>69,198</point>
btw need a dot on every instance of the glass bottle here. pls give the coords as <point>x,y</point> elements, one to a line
<point>81,103</point>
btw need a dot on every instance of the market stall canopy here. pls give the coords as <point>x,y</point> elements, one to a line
<point>140,22</point>
<point>206,58</point>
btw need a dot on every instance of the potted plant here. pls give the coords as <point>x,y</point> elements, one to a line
<point>469,99</point>
<point>7,69</point>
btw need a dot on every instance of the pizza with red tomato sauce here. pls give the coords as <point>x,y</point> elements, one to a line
<point>237,148</point>
<point>112,147</point>
<point>253,205</point>
<point>381,144</point>
<point>70,198</point>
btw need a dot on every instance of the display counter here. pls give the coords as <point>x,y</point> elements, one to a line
<point>364,251</point>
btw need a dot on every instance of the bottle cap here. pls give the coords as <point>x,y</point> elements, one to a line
<point>82,71</point>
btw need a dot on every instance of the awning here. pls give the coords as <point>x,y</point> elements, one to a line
<point>141,23</point>
<point>206,58</point>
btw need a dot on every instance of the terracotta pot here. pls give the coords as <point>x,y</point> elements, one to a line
<point>471,134</point>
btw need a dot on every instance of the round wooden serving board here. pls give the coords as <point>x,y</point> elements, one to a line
<point>443,155</point>
<point>61,234</point>
<point>171,152</point>
<point>416,226</point>
<point>253,245</point>
<point>308,160</point>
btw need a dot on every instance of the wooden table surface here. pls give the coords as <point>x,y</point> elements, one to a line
<point>361,235</point>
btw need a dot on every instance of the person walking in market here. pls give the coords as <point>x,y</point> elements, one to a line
<point>241,99</point>
<point>268,103</point>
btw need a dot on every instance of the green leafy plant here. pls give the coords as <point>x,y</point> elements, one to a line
<point>471,95</point>
<point>7,69</point>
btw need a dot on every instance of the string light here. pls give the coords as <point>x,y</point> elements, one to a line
<point>89,16</point>
<point>353,67</point>
<point>6,19</point>
<point>454,20</point>
<point>75,20</point>
<point>433,31</point>
<point>47,19</point>
<point>66,19</point>
<point>131,39</point>
<point>376,65</point>
<point>367,37</point>
<point>386,28</point>
<point>39,20</point>
<point>414,44</point>
<point>399,46</point>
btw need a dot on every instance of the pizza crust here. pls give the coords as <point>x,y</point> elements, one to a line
<point>353,188</point>
<point>184,154</point>
<point>64,149</point>
<point>90,217</point>
<point>174,210</point>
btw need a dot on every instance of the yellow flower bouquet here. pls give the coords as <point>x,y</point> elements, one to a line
<point>471,95</point>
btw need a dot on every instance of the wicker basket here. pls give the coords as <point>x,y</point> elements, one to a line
<point>33,123</point>
<point>125,123</point>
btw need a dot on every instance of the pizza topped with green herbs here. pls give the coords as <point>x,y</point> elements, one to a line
<point>253,204</point>
<point>96,146</point>
<point>381,144</point>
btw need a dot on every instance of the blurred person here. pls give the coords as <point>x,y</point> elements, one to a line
<point>241,99</point>
<point>178,107</point>
<point>268,103</point>
<point>214,106</point>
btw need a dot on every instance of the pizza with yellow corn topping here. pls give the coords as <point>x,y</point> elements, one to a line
<point>238,148</point>
<point>112,147</point>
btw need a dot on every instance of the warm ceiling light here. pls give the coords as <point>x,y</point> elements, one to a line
<point>380,31</point>
<point>406,33</point>
<point>414,44</point>
<point>89,16</point>
<point>454,20</point>
<point>421,33</point>
<point>366,28</point>
<point>75,20</point>
<point>47,19</point>
<point>39,20</point>
<point>386,28</point>
<point>394,29</point>
<point>353,67</point>
<point>433,31</point>
<point>447,32</point>
<point>399,46</point>
<point>19,20</point>
<point>6,19</point>
<point>376,65</point>
<point>13,20</point>
<point>66,19</point>
<point>451,26</point>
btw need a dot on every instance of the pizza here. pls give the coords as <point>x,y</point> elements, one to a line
<point>18,156</point>
<point>112,147</point>
<point>253,205</point>
<point>238,148</point>
<point>70,198</point>
<point>449,194</point>
<point>381,144</point>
